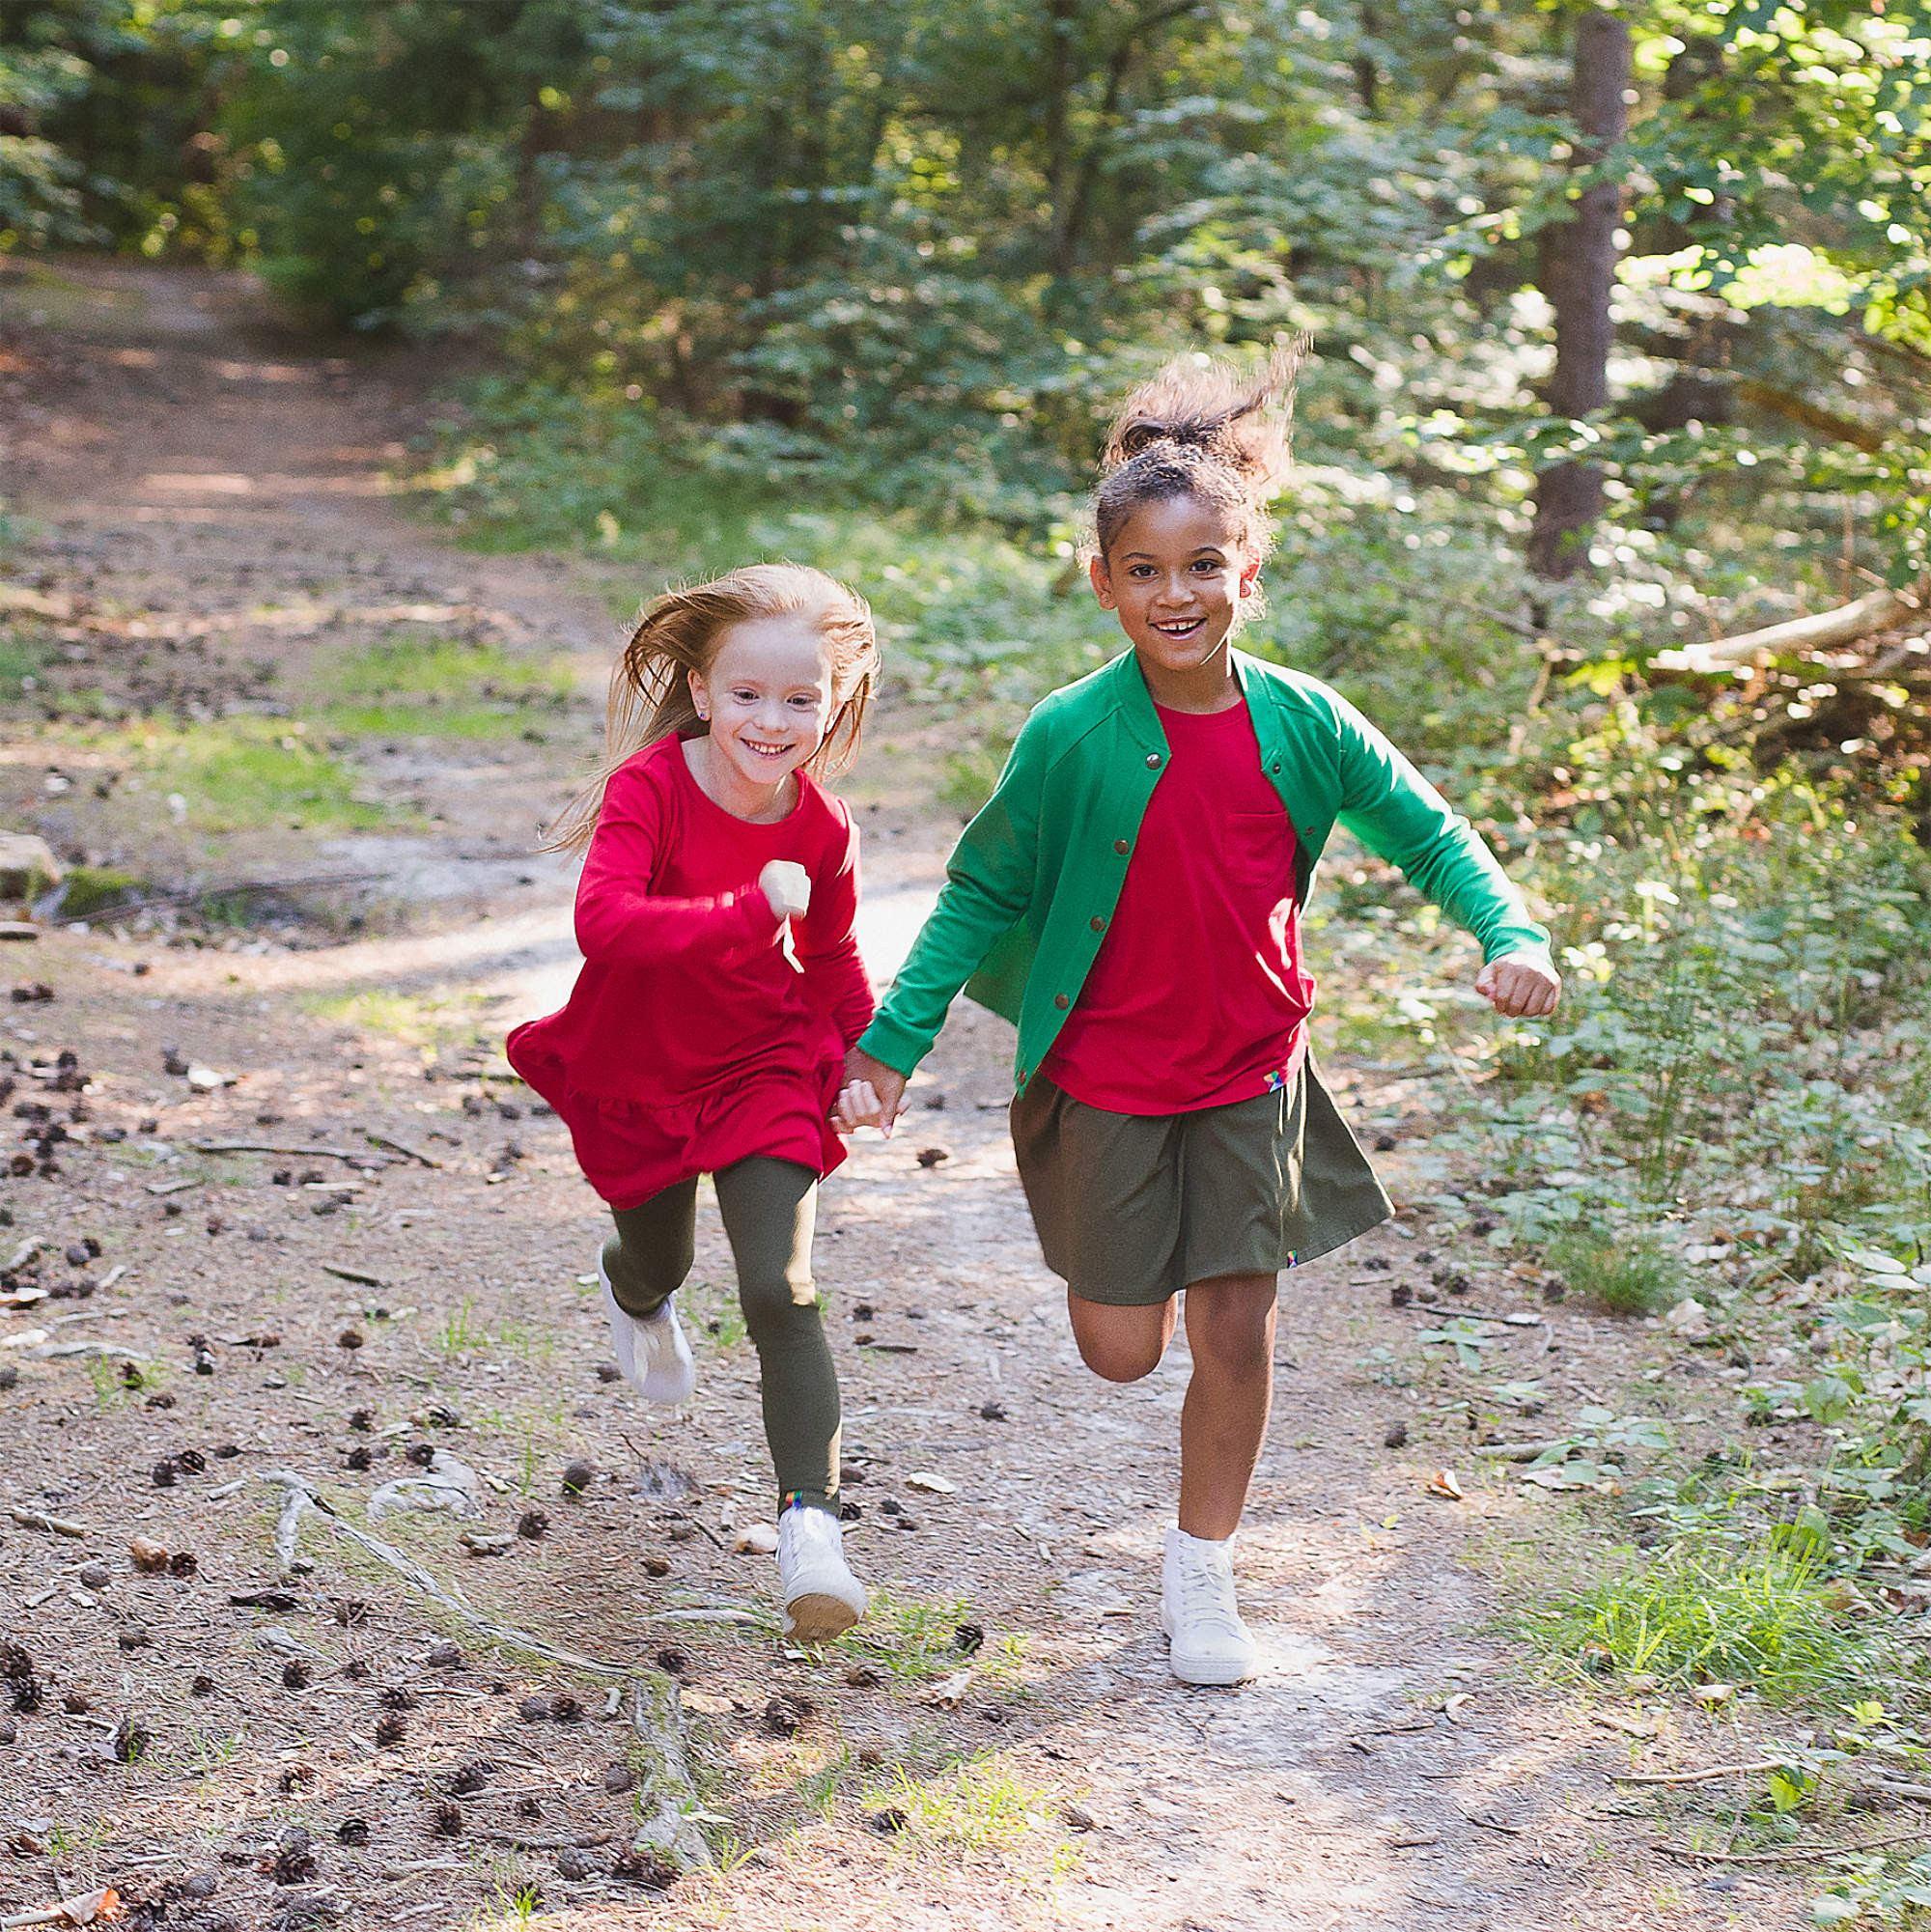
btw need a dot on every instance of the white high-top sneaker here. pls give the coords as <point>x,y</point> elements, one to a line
<point>1209,1643</point>
<point>652,1352</point>
<point>822,1599</point>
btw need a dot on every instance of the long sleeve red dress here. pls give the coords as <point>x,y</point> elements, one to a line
<point>702,1029</point>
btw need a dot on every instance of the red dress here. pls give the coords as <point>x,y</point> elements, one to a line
<point>701,1031</point>
<point>1196,996</point>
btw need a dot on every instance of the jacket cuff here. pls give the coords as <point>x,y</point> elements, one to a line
<point>1514,945</point>
<point>894,1043</point>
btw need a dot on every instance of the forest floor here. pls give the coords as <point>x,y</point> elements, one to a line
<point>209,548</point>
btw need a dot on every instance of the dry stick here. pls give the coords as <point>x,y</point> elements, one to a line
<point>1479,1314</point>
<point>39,1519</point>
<point>299,1496</point>
<point>401,1147</point>
<point>1708,1775</point>
<point>1789,1852</point>
<point>360,1154</point>
<point>359,1275</point>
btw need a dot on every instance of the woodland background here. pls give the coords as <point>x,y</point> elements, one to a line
<point>1622,319</point>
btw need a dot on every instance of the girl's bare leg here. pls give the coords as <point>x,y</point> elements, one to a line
<point>1230,1323</point>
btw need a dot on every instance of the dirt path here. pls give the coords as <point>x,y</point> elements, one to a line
<point>187,476</point>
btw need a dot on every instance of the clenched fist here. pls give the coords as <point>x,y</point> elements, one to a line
<point>786,887</point>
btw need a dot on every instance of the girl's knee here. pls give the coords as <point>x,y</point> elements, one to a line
<point>1118,1362</point>
<point>777,1303</point>
<point>1234,1336</point>
<point>640,1277</point>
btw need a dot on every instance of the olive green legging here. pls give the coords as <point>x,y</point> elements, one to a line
<point>769,1208</point>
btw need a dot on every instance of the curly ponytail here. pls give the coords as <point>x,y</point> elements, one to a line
<point>1200,428</point>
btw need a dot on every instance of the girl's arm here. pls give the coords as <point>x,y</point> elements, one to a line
<point>827,943</point>
<point>989,885</point>
<point>1399,816</point>
<point>620,921</point>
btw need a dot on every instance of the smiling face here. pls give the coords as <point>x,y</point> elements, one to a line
<point>1176,575</point>
<point>767,694</point>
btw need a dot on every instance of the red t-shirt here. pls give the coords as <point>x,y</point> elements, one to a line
<point>700,1031</point>
<point>1196,996</point>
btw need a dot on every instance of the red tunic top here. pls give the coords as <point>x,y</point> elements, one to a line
<point>1196,996</point>
<point>700,1031</point>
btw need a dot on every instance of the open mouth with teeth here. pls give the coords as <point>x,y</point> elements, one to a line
<point>764,750</point>
<point>1177,626</point>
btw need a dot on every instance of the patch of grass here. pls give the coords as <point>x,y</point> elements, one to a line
<point>460,1333</point>
<point>431,1021</point>
<point>914,1638</point>
<point>977,1806</point>
<point>1702,1614</point>
<point>1624,1275</point>
<point>442,688</point>
<point>244,773</point>
<point>21,656</point>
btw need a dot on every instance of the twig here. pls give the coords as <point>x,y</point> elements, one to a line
<point>359,1275</point>
<point>1513,1318</point>
<point>301,1496</point>
<point>175,1186</point>
<point>1790,1851</point>
<point>1918,1793</point>
<point>1516,1452</point>
<point>401,1147</point>
<point>1707,1775</point>
<point>360,1154</point>
<point>39,1519</point>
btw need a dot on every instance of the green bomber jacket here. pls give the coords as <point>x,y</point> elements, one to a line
<point>1033,881</point>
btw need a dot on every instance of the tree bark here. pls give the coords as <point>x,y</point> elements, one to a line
<point>1576,270</point>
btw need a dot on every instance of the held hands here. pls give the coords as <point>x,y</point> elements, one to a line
<point>787,887</point>
<point>1524,985</point>
<point>873,1095</point>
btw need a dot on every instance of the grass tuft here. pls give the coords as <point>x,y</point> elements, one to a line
<point>1619,1274</point>
<point>1702,1614</point>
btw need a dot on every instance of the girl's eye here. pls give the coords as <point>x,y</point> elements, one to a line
<point>1140,571</point>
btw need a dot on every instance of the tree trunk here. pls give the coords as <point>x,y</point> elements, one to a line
<point>1576,270</point>
<point>1060,20</point>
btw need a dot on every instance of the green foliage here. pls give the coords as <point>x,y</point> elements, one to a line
<point>1696,1616</point>
<point>1624,1275</point>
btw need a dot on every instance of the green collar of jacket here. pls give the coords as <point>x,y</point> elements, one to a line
<point>1032,883</point>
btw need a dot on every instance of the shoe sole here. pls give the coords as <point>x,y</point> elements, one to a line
<point>1214,1678</point>
<point>816,1619</point>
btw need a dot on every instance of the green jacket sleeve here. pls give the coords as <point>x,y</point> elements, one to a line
<point>988,885</point>
<point>1399,816</point>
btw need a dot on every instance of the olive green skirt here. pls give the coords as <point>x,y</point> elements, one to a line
<point>1133,1208</point>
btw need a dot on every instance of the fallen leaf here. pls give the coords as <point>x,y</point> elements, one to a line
<point>148,1555</point>
<point>932,1485</point>
<point>1453,1707</point>
<point>755,1539</point>
<point>1712,1695</point>
<point>1443,1483</point>
<point>946,1692</point>
<point>204,1080</point>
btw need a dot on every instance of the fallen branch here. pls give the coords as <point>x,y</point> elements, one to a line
<point>361,1156</point>
<point>666,1785</point>
<point>394,1146</point>
<point>1801,637</point>
<point>39,1519</point>
<point>1517,1452</point>
<point>1707,1775</point>
<point>359,1275</point>
<point>1513,1318</point>
<point>1790,1851</point>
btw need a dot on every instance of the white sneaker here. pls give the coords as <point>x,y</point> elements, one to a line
<point>822,1599</point>
<point>650,1351</point>
<point>1209,1643</point>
